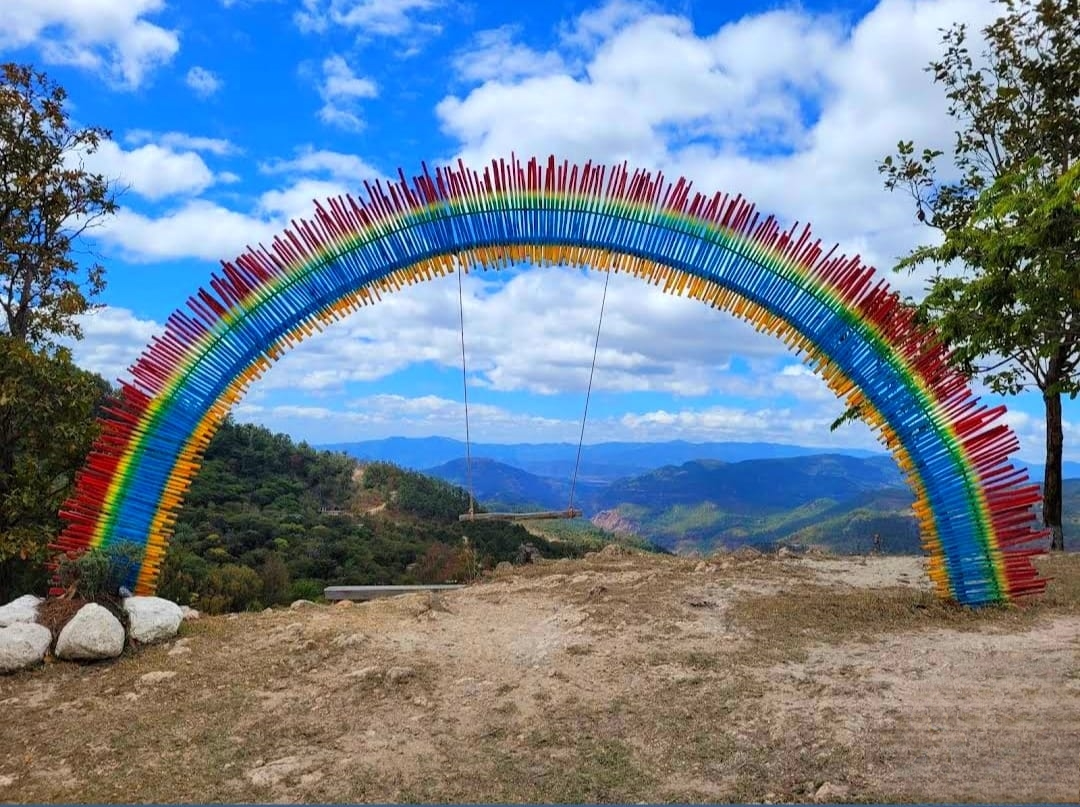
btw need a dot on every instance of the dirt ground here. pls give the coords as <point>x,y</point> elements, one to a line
<point>616,678</point>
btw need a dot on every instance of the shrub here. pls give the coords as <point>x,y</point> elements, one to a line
<point>97,574</point>
<point>231,588</point>
<point>306,590</point>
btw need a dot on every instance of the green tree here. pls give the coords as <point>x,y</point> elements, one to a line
<point>1005,288</point>
<point>46,428</point>
<point>231,588</point>
<point>275,579</point>
<point>48,202</point>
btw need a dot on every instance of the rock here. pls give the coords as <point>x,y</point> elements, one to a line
<point>156,677</point>
<point>746,553</point>
<point>179,650</point>
<point>829,792</point>
<point>396,675</point>
<point>351,640</point>
<point>613,551</point>
<point>273,772</point>
<point>92,634</point>
<point>187,612</point>
<point>296,606</point>
<point>152,619</point>
<point>504,567</point>
<point>22,609</point>
<point>365,673</point>
<point>22,645</point>
<point>343,604</point>
<point>6,781</point>
<point>785,552</point>
<point>528,553</point>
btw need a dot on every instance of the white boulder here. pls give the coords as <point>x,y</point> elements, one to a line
<point>152,619</point>
<point>92,634</point>
<point>23,645</point>
<point>23,609</point>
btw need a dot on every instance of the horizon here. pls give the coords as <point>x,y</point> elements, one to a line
<point>791,106</point>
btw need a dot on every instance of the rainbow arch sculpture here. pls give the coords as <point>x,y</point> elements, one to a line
<point>975,510</point>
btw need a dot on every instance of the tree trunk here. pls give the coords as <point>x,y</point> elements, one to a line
<point>1052,473</point>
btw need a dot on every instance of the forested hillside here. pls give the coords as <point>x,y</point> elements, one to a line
<point>268,521</point>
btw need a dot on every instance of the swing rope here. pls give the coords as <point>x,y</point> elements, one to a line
<point>588,392</point>
<point>570,512</point>
<point>465,389</point>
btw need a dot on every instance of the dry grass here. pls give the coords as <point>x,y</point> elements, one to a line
<point>617,678</point>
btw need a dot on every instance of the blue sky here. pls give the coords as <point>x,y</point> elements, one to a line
<point>230,116</point>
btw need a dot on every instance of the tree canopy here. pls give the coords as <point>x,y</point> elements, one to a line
<point>48,202</point>
<point>1005,285</point>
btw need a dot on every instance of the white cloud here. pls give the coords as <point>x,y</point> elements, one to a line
<point>202,82</point>
<point>112,339</point>
<point>650,84</point>
<point>113,36</point>
<point>340,89</point>
<point>494,55</point>
<point>335,164</point>
<point>152,171</point>
<point>196,229</point>
<point>366,17</point>
<point>384,415</point>
<point>789,108</point>
<point>182,142</point>
<point>804,426</point>
<point>377,416</point>
<point>199,228</point>
<point>534,333</point>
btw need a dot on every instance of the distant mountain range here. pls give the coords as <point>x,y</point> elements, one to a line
<point>600,462</point>
<point>692,496</point>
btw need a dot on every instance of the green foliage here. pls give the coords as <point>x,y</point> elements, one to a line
<point>46,205</point>
<point>1005,294</point>
<point>98,574</point>
<point>231,587</point>
<point>275,579</point>
<point>306,590</point>
<point>46,429</point>
<point>300,520</point>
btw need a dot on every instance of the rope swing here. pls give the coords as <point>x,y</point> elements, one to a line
<point>539,515</point>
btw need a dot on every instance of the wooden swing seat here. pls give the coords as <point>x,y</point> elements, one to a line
<point>539,515</point>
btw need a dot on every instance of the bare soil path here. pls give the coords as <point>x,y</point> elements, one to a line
<point>618,678</point>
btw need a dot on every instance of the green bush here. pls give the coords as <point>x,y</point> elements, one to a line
<point>231,588</point>
<point>306,590</point>
<point>97,574</point>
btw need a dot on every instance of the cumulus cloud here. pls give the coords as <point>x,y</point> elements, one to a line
<point>375,416</point>
<point>334,164</point>
<point>532,333</point>
<point>112,339</point>
<point>791,108</point>
<point>152,171</point>
<point>181,141</point>
<point>340,89</point>
<point>366,17</point>
<point>202,82</point>
<point>111,36</point>
<point>494,55</point>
